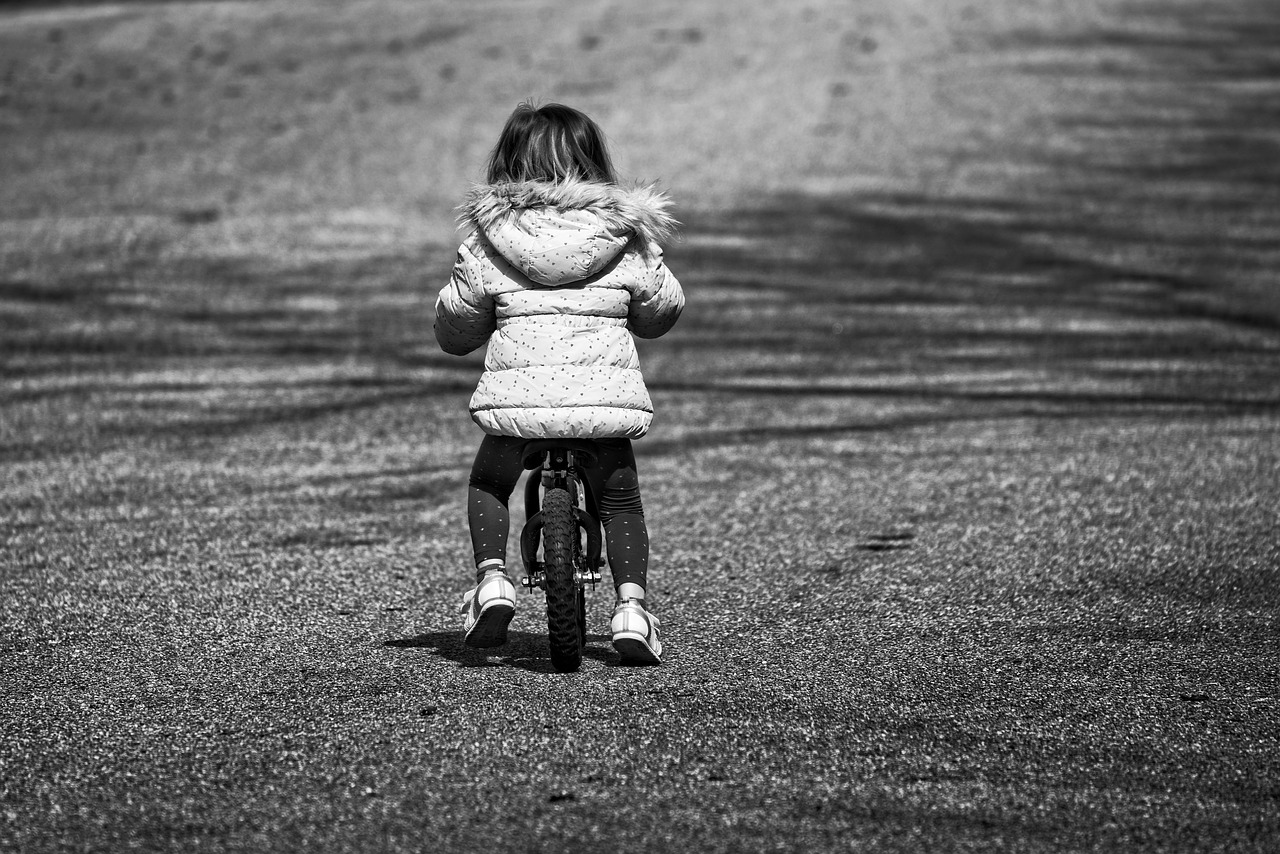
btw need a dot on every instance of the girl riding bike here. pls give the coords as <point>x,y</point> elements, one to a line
<point>561,267</point>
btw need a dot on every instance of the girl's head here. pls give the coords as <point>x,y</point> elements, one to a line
<point>550,143</point>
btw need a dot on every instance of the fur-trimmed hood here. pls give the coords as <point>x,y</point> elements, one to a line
<point>642,210</point>
<point>561,232</point>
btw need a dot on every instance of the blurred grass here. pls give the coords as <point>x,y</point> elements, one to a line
<point>264,188</point>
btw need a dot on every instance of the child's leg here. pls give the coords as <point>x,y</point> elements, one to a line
<point>617,492</point>
<point>494,473</point>
<point>616,488</point>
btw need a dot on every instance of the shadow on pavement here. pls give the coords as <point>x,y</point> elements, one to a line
<point>524,650</point>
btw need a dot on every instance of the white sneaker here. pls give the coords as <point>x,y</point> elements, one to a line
<point>635,633</point>
<point>489,607</point>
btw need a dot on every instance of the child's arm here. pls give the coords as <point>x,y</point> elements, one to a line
<point>464,311</point>
<point>657,301</point>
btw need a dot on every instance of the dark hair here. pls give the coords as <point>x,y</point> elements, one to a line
<point>550,143</point>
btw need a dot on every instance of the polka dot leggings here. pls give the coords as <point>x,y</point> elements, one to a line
<point>613,481</point>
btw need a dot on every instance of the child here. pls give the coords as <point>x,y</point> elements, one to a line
<point>561,267</point>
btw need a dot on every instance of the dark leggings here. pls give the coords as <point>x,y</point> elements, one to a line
<point>613,482</point>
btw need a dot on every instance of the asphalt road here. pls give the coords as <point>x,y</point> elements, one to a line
<point>964,511</point>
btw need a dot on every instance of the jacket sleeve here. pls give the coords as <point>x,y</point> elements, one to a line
<point>465,315</point>
<point>657,301</point>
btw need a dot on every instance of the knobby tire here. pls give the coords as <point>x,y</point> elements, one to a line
<point>559,539</point>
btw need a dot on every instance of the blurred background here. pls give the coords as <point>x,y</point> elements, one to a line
<point>332,123</point>
<point>229,141</point>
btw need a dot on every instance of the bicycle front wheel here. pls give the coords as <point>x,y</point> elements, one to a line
<point>559,542</point>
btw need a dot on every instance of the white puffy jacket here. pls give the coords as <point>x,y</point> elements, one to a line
<point>557,277</point>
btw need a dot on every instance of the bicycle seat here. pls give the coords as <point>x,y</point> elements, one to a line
<point>584,449</point>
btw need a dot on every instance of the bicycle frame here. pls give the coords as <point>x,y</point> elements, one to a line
<point>559,463</point>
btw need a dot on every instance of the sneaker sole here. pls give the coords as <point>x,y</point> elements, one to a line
<point>491,626</point>
<point>634,649</point>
